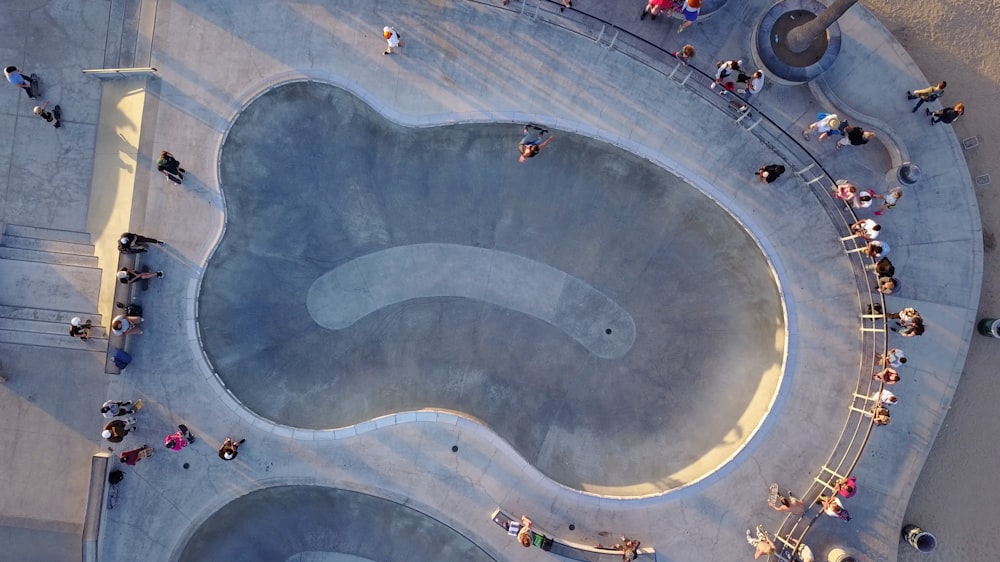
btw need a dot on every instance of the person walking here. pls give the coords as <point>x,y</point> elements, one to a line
<point>230,449</point>
<point>131,243</point>
<point>827,124</point>
<point>19,79</point>
<point>791,504</point>
<point>926,95</point>
<point>889,200</point>
<point>392,38</point>
<point>690,10</point>
<point>80,329</point>
<point>169,166</point>
<point>946,115</point>
<point>178,439</point>
<point>723,71</point>
<point>769,173</point>
<point>53,116</point>
<point>127,275</point>
<point>854,136</point>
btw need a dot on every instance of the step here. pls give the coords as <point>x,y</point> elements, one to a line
<point>17,337</point>
<point>47,234</point>
<point>55,246</point>
<point>45,285</point>
<point>47,257</point>
<point>46,315</point>
<point>42,327</point>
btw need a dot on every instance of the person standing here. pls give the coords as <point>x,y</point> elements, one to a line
<point>752,86</point>
<point>393,39</point>
<point>927,95</point>
<point>791,504</point>
<point>769,173</point>
<point>116,430</point>
<point>230,449</point>
<point>53,116</point>
<point>652,9</point>
<point>179,439</point>
<point>947,115</point>
<point>169,166</point>
<point>855,136</point>
<point>889,199</point>
<point>18,78</point>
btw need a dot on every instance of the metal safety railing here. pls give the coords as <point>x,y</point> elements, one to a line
<point>861,407</point>
<point>118,73</point>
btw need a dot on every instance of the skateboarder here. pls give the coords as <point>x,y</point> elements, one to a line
<point>531,144</point>
<point>169,166</point>
<point>19,79</point>
<point>179,439</point>
<point>53,116</point>
<point>392,38</point>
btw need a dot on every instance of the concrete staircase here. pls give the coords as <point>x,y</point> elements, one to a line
<point>46,278</point>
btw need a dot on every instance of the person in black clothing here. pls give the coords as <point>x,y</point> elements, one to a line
<point>131,243</point>
<point>769,173</point>
<point>169,166</point>
<point>947,115</point>
<point>855,136</point>
<point>53,116</point>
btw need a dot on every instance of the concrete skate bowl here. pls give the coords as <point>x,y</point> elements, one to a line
<point>317,524</point>
<point>618,328</point>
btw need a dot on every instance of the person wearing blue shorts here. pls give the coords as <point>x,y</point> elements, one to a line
<point>690,10</point>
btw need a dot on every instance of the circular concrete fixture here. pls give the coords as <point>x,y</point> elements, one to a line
<point>613,324</point>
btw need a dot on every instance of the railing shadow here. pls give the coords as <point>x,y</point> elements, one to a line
<point>858,426</point>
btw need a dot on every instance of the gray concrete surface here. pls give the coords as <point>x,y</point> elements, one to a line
<point>325,520</point>
<point>461,65</point>
<point>709,322</point>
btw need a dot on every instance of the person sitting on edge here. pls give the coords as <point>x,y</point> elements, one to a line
<point>131,243</point>
<point>876,249</point>
<point>791,504</point>
<point>522,530</point>
<point>887,376</point>
<point>127,275</point>
<point>124,325</point>
<point>847,487</point>
<point>881,416</point>
<point>866,228</point>
<point>895,358</point>
<point>80,329</point>
<point>832,507</point>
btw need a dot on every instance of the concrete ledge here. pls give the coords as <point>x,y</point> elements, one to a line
<point>95,506</point>
<point>893,144</point>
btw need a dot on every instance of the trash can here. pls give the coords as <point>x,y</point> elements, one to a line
<point>839,555</point>
<point>906,173</point>
<point>919,538</point>
<point>989,327</point>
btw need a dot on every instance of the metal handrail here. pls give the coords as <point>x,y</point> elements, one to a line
<point>857,427</point>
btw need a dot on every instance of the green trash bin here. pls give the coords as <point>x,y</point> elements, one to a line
<point>989,327</point>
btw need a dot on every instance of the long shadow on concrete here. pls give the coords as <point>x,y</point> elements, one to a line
<point>314,178</point>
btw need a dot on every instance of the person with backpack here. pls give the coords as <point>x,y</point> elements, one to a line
<point>926,95</point>
<point>132,243</point>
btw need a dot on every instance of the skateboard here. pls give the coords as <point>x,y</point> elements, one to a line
<point>57,113</point>
<point>137,405</point>
<point>145,282</point>
<point>772,495</point>
<point>36,89</point>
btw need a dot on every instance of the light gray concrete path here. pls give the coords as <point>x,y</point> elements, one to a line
<point>464,62</point>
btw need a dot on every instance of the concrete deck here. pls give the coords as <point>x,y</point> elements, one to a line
<point>464,63</point>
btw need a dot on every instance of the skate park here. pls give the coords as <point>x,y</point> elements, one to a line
<point>750,282</point>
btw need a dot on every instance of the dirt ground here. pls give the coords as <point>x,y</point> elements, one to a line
<point>955,497</point>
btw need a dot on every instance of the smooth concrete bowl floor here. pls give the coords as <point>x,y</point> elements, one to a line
<point>313,524</point>
<point>321,192</point>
